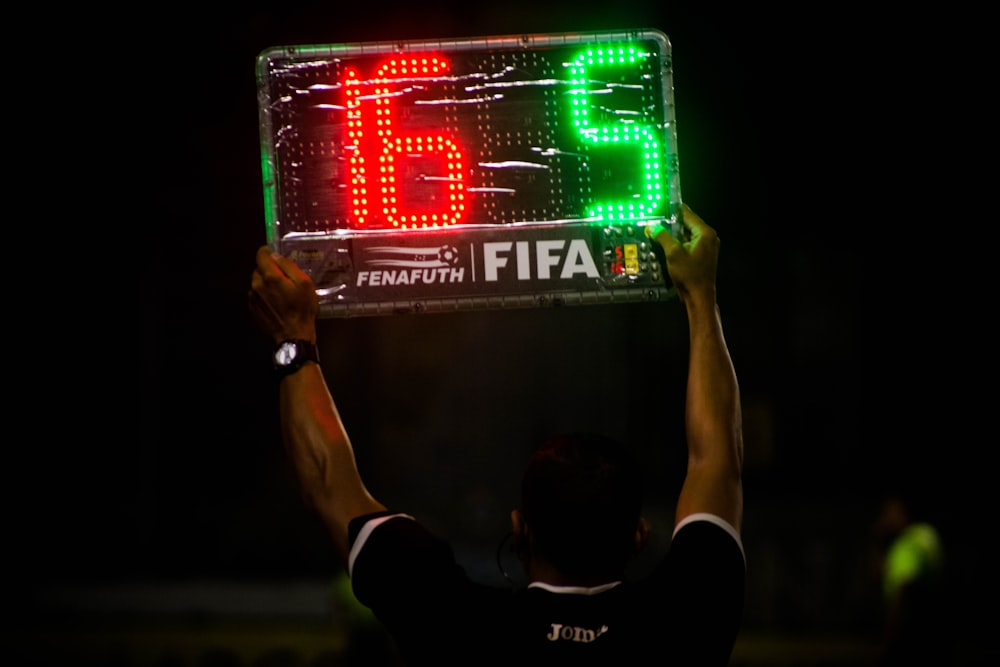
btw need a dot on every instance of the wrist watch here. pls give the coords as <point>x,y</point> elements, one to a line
<point>290,354</point>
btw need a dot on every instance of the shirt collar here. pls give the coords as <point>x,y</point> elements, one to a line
<point>575,590</point>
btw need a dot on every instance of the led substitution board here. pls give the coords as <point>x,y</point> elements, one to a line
<point>497,172</point>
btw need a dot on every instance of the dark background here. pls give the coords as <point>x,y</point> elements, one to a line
<point>159,465</point>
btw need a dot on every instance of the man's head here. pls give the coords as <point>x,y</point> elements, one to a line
<point>581,498</point>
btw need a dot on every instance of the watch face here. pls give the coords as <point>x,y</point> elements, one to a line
<point>286,353</point>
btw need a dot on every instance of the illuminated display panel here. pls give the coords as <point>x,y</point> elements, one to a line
<point>467,174</point>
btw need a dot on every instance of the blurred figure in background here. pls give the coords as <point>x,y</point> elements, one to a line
<point>916,627</point>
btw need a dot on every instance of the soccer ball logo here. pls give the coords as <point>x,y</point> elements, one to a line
<point>448,254</point>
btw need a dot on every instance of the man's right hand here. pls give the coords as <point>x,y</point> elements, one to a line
<point>282,298</point>
<point>691,264</point>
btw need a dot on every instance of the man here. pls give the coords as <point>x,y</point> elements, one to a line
<point>578,524</point>
<point>917,624</point>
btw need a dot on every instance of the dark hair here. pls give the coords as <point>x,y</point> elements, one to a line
<point>581,497</point>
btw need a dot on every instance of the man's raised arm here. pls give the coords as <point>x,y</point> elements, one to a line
<point>283,303</point>
<point>713,415</point>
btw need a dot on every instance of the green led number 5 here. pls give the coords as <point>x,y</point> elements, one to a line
<point>620,140</point>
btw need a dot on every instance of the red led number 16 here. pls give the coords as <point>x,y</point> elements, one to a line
<point>378,187</point>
